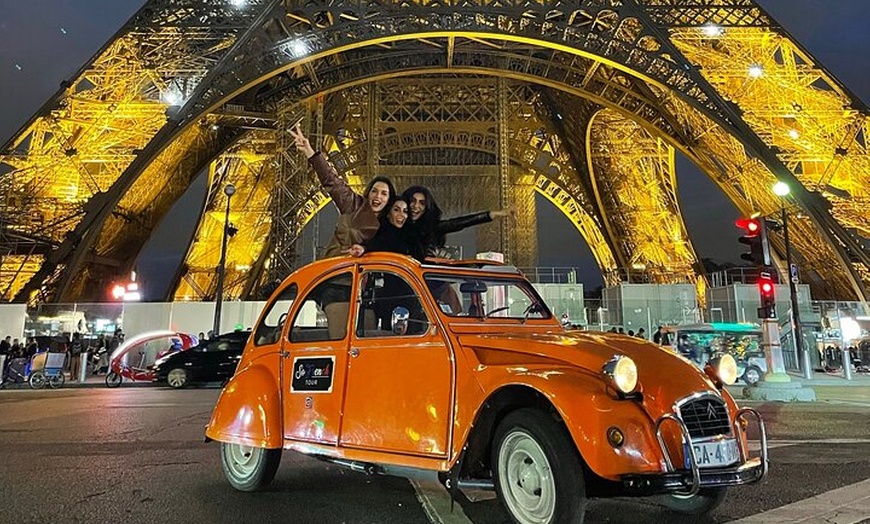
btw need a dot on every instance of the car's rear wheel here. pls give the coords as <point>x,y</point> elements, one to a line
<point>537,470</point>
<point>705,501</point>
<point>249,468</point>
<point>177,378</point>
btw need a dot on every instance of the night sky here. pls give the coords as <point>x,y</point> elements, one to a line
<point>43,42</point>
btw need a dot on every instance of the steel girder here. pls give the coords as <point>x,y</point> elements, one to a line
<point>277,44</point>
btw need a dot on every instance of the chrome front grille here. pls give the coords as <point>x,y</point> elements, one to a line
<point>706,416</point>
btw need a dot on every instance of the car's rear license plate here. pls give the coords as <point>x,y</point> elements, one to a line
<point>714,454</point>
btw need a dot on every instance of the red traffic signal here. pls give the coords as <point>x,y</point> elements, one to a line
<point>755,236</point>
<point>751,225</point>
<point>766,292</point>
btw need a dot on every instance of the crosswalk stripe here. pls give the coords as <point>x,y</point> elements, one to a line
<point>847,505</point>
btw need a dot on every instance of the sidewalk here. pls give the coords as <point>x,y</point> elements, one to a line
<point>828,387</point>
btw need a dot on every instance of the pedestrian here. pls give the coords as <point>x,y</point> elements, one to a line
<point>16,350</point>
<point>657,336</point>
<point>566,321</point>
<point>641,333</point>
<point>621,331</point>
<point>631,332</point>
<point>5,345</point>
<point>75,355</point>
<point>31,349</point>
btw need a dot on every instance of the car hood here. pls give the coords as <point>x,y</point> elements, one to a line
<point>663,376</point>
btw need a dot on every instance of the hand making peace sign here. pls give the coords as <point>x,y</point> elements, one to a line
<point>301,142</point>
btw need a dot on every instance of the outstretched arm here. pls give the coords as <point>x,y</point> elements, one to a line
<point>335,186</point>
<point>459,223</point>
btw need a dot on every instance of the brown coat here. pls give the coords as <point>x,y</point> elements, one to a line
<point>358,221</point>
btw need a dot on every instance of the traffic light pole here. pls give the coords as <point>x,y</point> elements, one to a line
<point>796,331</point>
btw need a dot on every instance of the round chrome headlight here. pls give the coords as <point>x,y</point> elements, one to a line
<point>621,372</point>
<point>725,368</point>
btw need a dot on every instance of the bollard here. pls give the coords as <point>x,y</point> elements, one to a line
<point>83,369</point>
<point>847,362</point>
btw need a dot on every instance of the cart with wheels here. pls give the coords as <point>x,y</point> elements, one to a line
<point>47,368</point>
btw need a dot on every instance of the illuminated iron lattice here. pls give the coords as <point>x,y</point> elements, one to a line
<point>583,102</point>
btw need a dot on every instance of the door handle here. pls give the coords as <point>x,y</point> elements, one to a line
<point>354,352</point>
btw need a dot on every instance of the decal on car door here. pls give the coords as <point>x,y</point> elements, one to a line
<point>312,374</point>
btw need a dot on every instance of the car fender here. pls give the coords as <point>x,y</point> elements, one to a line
<point>248,411</point>
<point>589,411</point>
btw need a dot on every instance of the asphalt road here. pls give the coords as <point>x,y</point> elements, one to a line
<point>137,453</point>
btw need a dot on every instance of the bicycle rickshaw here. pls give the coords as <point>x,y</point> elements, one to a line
<point>41,369</point>
<point>143,345</point>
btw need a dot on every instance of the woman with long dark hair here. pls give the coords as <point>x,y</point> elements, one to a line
<point>427,226</point>
<point>392,236</point>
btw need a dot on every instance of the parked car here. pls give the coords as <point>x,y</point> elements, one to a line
<point>462,369</point>
<point>212,360</point>
<point>702,342</point>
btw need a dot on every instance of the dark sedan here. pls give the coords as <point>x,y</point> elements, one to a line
<point>212,360</point>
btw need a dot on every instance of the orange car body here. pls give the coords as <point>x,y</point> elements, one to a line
<point>426,399</point>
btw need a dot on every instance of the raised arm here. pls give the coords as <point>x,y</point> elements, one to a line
<point>336,187</point>
<point>459,223</point>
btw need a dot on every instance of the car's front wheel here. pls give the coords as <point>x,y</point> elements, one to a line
<point>752,375</point>
<point>113,379</point>
<point>177,378</point>
<point>537,470</point>
<point>705,501</point>
<point>249,468</point>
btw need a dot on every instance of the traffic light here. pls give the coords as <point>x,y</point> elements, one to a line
<point>766,291</point>
<point>755,236</point>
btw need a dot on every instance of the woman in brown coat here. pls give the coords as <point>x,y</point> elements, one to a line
<point>359,219</point>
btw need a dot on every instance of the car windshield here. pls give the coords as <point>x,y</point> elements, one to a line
<point>486,297</point>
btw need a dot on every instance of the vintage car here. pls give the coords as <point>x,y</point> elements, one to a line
<point>460,368</point>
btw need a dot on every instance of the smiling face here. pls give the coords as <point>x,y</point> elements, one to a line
<point>418,206</point>
<point>398,213</point>
<point>378,196</point>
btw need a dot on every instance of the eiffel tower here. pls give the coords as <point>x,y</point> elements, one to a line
<point>584,102</point>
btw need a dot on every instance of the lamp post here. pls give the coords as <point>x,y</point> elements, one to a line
<point>782,190</point>
<point>229,191</point>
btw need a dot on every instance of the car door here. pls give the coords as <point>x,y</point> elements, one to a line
<point>399,371</point>
<point>227,357</point>
<point>315,358</point>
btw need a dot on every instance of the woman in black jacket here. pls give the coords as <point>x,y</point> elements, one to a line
<point>393,234</point>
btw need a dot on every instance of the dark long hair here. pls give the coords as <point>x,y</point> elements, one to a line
<point>427,225</point>
<point>391,187</point>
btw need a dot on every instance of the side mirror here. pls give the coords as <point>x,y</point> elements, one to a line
<point>399,320</point>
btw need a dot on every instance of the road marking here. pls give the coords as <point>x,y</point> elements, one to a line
<point>848,505</point>
<point>771,444</point>
<point>435,499</point>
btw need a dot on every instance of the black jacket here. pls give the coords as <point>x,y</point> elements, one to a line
<point>432,238</point>
<point>395,240</point>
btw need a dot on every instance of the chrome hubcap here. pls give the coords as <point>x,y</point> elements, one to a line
<point>176,378</point>
<point>526,479</point>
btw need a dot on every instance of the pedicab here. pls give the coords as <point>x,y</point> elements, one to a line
<point>143,347</point>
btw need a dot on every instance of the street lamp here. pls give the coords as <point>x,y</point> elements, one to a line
<point>782,190</point>
<point>229,191</point>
